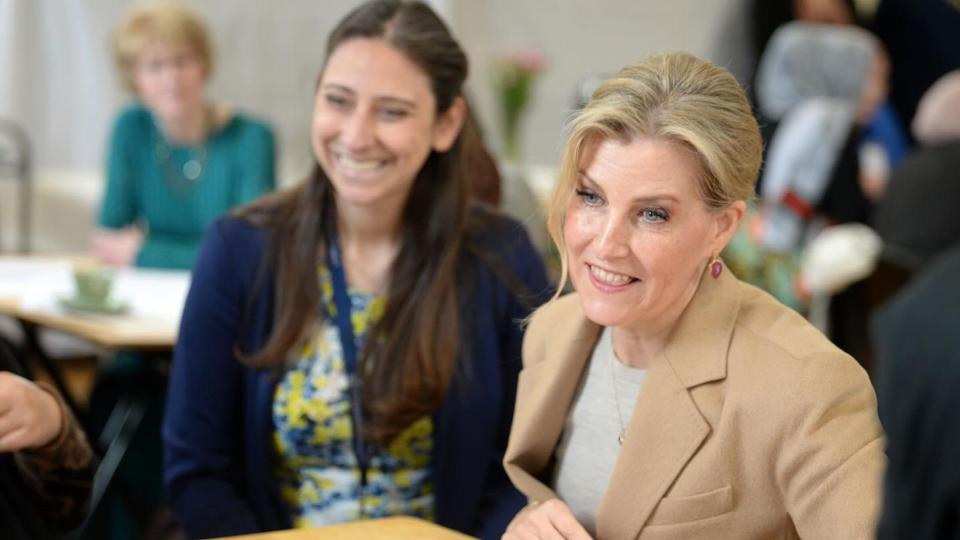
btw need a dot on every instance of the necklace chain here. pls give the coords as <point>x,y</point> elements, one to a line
<point>183,179</point>
<point>616,394</point>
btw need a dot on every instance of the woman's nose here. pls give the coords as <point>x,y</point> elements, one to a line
<point>613,239</point>
<point>358,130</point>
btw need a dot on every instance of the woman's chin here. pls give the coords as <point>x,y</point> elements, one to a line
<point>605,314</point>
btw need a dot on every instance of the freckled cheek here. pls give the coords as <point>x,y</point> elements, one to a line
<point>578,230</point>
<point>673,261</point>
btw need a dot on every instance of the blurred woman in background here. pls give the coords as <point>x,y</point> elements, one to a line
<point>918,218</point>
<point>177,160</point>
<point>835,143</point>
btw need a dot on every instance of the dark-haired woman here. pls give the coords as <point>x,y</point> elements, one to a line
<point>350,347</point>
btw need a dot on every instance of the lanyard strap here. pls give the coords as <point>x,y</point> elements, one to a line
<point>348,343</point>
<point>341,299</point>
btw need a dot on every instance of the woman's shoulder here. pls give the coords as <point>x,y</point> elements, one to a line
<point>774,342</point>
<point>761,318</point>
<point>133,117</point>
<point>236,237</point>
<point>243,126</point>
<point>557,316</point>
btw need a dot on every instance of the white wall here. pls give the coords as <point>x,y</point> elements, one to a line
<point>56,73</point>
<point>53,74</point>
<point>581,37</point>
<point>269,54</point>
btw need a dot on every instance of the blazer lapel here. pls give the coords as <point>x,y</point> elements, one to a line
<point>667,428</point>
<point>545,391</point>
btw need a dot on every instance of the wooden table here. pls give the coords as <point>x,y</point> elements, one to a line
<point>30,287</point>
<point>392,528</point>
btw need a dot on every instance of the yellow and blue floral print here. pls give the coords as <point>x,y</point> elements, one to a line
<point>316,467</point>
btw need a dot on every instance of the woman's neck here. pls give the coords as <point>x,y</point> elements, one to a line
<point>188,128</point>
<point>370,240</point>
<point>637,345</point>
<point>636,349</point>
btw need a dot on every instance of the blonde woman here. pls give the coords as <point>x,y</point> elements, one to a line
<point>665,398</point>
<point>177,160</point>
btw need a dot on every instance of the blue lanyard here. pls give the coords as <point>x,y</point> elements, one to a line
<point>348,343</point>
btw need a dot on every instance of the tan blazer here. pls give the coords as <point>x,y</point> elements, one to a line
<point>751,424</point>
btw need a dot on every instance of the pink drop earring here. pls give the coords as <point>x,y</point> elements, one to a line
<point>716,267</point>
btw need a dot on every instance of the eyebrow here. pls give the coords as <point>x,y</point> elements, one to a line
<point>380,99</point>
<point>653,199</point>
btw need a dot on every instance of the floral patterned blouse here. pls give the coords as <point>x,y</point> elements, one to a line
<point>316,467</point>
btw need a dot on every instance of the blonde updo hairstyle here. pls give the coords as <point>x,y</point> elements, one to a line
<point>163,21</point>
<point>668,97</point>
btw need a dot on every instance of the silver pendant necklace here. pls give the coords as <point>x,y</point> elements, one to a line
<point>184,178</point>
<point>193,167</point>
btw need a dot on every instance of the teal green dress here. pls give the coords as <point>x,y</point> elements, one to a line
<point>173,191</point>
<point>148,185</point>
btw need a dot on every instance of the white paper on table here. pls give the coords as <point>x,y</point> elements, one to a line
<point>155,294</point>
<point>37,285</point>
<point>151,294</point>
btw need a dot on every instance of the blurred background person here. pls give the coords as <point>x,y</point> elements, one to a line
<point>665,397</point>
<point>766,16</point>
<point>46,463</point>
<point>176,160</point>
<point>844,63</point>
<point>922,38</point>
<point>918,222</point>
<point>834,143</point>
<point>350,347</point>
<point>918,218</point>
<point>915,336</point>
<point>918,387</point>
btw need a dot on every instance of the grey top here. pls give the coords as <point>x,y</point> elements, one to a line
<point>588,448</point>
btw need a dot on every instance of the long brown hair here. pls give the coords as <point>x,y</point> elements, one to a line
<point>410,355</point>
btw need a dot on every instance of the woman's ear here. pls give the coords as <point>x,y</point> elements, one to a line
<point>448,125</point>
<point>727,221</point>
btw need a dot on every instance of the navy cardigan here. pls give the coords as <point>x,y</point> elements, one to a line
<point>218,424</point>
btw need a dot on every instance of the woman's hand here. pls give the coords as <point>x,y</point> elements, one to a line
<point>117,247</point>
<point>30,417</point>
<point>551,520</point>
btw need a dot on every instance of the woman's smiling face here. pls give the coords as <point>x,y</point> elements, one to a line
<point>375,123</point>
<point>638,234</point>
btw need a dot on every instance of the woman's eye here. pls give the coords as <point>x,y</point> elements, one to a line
<point>589,197</point>
<point>152,67</point>
<point>393,113</point>
<point>337,102</point>
<point>654,215</point>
